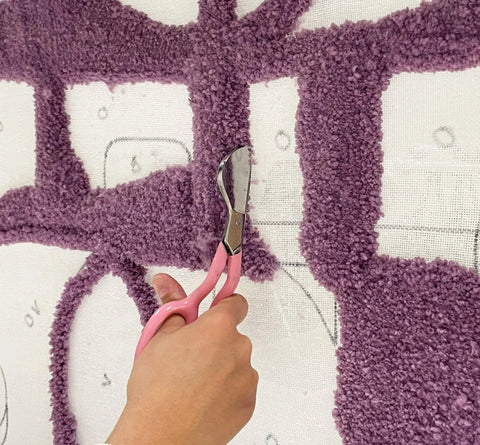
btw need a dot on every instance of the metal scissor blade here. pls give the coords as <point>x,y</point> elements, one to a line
<point>233,179</point>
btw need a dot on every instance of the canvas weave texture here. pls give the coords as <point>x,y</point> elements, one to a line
<point>362,242</point>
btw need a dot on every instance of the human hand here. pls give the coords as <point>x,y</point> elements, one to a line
<point>192,384</point>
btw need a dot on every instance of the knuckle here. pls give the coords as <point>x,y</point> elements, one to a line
<point>241,299</point>
<point>252,381</point>
<point>255,377</point>
<point>245,344</point>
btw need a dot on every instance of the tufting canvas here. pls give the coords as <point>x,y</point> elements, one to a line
<point>362,116</point>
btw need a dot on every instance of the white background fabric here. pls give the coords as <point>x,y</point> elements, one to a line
<point>430,204</point>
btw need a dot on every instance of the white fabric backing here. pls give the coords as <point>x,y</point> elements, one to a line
<point>430,203</point>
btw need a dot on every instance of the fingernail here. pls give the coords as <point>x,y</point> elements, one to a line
<point>157,279</point>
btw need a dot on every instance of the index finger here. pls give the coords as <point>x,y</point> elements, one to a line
<point>231,310</point>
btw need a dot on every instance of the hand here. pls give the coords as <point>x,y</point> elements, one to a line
<point>191,384</point>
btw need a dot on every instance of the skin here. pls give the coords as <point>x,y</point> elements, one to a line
<point>192,384</point>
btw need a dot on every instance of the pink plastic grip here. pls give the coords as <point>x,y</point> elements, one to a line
<point>233,277</point>
<point>188,307</point>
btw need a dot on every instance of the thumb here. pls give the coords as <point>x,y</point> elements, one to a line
<point>168,290</point>
<point>232,309</point>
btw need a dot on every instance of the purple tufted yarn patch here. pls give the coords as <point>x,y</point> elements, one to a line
<point>409,364</point>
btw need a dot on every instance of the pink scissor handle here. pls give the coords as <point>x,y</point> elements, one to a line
<point>233,277</point>
<point>188,307</point>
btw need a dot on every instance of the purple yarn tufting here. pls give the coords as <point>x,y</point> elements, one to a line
<point>409,363</point>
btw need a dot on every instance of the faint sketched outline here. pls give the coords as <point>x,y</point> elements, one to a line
<point>107,381</point>
<point>102,113</point>
<point>282,140</point>
<point>136,167</point>
<point>333,336</point>
<point>271,440</point>
<point>140,139</point>
<point>282,134</point>
<point>442,131</point>
<point>283,264</point>
<point>405,227</point>
<point>475,247</point>
<point>4,418</point>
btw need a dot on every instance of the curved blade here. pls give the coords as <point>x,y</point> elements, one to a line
<point>233,180</point>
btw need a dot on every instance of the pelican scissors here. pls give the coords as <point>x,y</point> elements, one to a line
<point>233,179</point>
